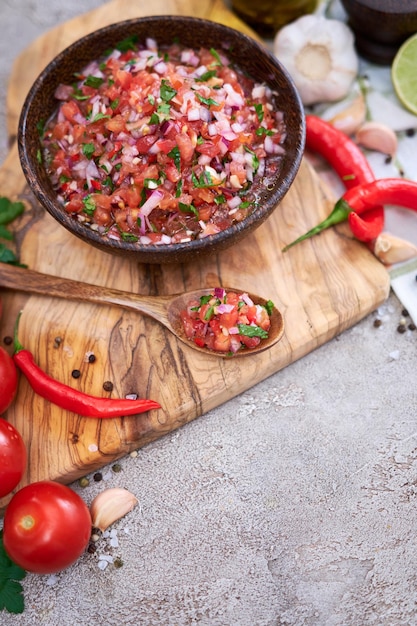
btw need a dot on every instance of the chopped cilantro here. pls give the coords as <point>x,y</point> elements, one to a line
<point>167,92</point>
<point>89,205</point>
<point>205,180</point>
<point>187,208</point>
<point>259,109</point>
<point>99,116</point>
<point>154,119</point>
<point>164,109</point>
<point>216,56</point>
<point>178,190</point>
<point>88,150</point>
<point>206,76</point>
<point>207,101</point>
<point>128,236</point>
<point>269,305</point>
<point>175,156</point>
<point>127,44</point>
<point>263,131</point>
<point>220,199</point>
<point>255,160</point>
<point>94,81</point>
<point>40,127</point>
<point>252,331</point>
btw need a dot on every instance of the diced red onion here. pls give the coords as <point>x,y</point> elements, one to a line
<point>246,299</point>
<point>193,114</point>
<point>258,91</point>
<point>234,202</point>
<point>225,308</point>
<point>219,293</point>
<point>151,203</point>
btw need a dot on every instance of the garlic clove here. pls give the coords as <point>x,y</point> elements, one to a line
<point>390,249</point>
<point>377,136</point>
<point>110,505</point>
<point>351,118</point>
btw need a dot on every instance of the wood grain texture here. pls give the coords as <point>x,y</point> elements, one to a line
<point>322,287</point>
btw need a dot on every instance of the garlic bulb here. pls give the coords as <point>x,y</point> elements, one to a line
<point>320,56</point>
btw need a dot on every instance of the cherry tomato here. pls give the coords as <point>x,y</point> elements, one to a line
<point>46,527</point>
<point>8,380</point>
<point>12,457</point>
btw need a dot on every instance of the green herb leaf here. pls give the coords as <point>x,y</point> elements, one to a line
<point>207,101</point>
<point>99,116</point>
<point>89,205</point>
<point>259,109</point>
<point>269,307</point>
<point>127,44</point>
<point>263,131</point>
<point>252,331</point>
<point>11,591</point>
<point>9,210</point>
<point>5,233</point>
<point>178,190</point>
<point>114,104</point>
<point>129,237</point>
<point>187,208</point>
<point>216,56</point>
<point>40,127</point>
<point>205,180</point>
<point>154,119</point>
<point>206,76</point>
<point>166,91</point>
<point>88,150</point>
<point>94,81</point>
<point>176,157</point>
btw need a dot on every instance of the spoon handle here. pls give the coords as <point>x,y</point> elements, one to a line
<point>24,279</point>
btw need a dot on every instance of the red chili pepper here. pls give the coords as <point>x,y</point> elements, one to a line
<point>353,168</point>
<point>398,191</point>
<point>71,399</point>
<point>361,198</point>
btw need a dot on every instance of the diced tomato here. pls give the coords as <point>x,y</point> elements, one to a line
<point>185,147</point>
<point>70,109</point>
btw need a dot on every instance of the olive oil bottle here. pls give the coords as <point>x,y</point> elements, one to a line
<point>266,17</point>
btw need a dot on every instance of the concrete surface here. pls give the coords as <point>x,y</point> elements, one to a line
<point>293,504</point>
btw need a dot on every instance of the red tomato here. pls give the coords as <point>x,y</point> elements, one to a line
<point>12,457</point>
<point>46,527</point>
<point>8,380</point>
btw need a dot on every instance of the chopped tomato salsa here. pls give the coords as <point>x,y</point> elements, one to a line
<point>162,144</point>
<point>226,321</point>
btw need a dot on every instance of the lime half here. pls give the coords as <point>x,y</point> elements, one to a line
<point>404,74</point>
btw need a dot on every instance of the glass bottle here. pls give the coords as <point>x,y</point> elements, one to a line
<point>267,16</point>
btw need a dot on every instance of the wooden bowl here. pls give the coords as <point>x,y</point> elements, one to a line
<point>381,26</point>
<point>250,56</point>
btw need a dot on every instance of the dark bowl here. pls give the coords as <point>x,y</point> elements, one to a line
<point>381,26</point>
<point>245,52</point>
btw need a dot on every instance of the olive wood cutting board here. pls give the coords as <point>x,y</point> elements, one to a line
<point>322,287</point>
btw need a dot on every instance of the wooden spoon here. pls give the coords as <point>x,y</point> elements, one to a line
<point>164,309</point>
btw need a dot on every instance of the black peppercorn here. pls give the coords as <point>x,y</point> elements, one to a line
<point>75,373</point>
<point>108,385</point>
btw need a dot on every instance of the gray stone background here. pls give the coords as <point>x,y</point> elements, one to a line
<point>293,504</point>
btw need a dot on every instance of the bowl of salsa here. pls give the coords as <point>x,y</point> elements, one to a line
<point>162,138</point>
